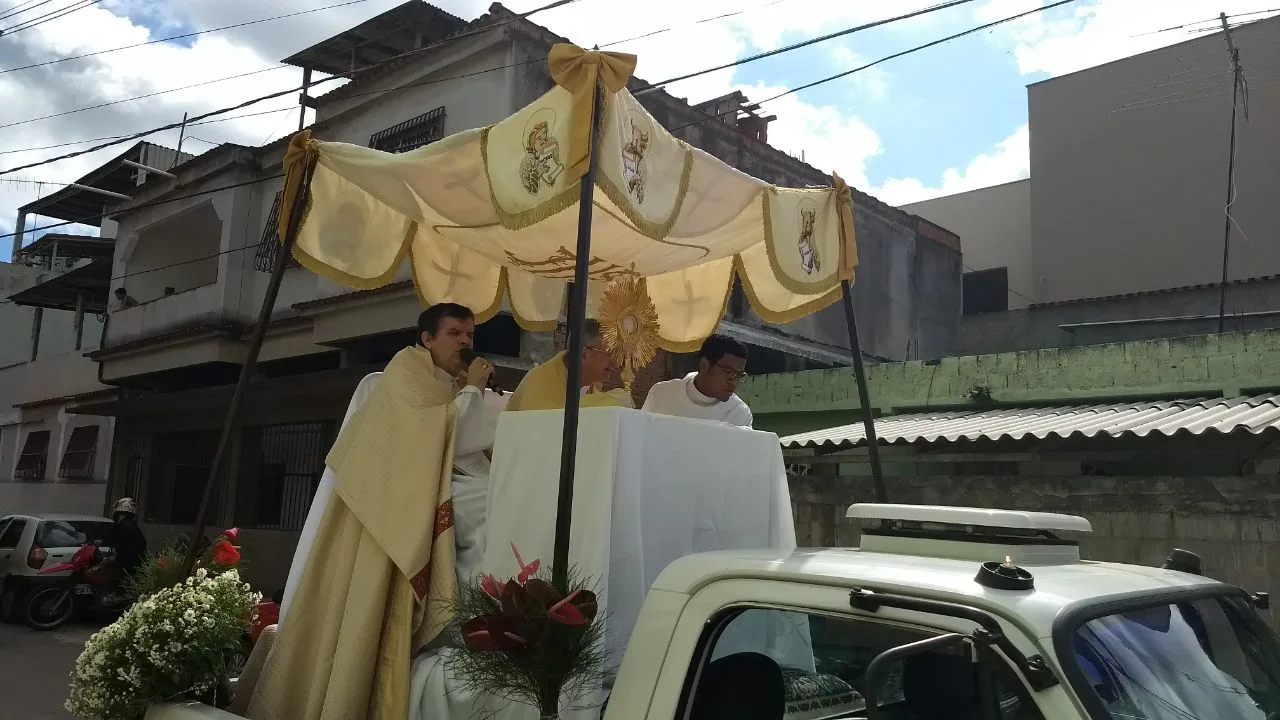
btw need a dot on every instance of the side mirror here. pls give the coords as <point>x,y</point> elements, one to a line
<point>884,663</point>
<point>1261,600</point>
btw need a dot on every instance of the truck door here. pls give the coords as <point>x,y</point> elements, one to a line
<point>784,651</point>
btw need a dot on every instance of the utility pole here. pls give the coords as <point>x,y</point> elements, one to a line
<point>1237,77</point>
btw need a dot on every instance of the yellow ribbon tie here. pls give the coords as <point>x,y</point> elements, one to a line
<point>848,239</point>
<point>578,71</point>
<point>302,151</point>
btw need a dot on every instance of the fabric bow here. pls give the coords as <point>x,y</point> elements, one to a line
<point>848,239</point>
<point>578,71</point>
<point>303,151</point>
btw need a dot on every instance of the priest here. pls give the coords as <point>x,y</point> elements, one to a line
<point>543,388</point>
<point>378,575</point>
<point>709,393</point>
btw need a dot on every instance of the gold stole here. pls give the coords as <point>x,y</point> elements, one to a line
<point>543,388</point>
<point>381,575</point>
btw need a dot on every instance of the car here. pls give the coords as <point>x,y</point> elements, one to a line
<point>29,542</point>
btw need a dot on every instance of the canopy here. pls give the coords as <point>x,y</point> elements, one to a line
<point>492,213</point>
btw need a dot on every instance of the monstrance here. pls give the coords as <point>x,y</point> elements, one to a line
<point>629,323</point>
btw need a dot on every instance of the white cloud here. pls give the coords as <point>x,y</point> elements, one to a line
<point>1011,160</point>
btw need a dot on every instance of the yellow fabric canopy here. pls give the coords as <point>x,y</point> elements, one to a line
<point>492,213</point>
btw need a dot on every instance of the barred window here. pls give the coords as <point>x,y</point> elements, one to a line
<point>410,134</point>
<point>264,259</point>
<point>82,450</point>
<point>281,466</point>
<point>35,454</point>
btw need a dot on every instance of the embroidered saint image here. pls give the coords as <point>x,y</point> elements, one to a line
<point>633,162</point>
<point>541,164</point>
<point>809,259</point>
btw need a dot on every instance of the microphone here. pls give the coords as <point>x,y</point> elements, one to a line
<point>469,356</point>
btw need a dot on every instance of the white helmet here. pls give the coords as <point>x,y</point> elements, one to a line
<point>125,505</point>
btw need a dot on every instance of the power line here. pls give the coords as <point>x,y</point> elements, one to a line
<point>271,96</point>
<point>886,58</point>
<point>183,36</point>
<point>788,48</point>
<point>19,9</point>
<point>117,137</point>
<point>42,19</point>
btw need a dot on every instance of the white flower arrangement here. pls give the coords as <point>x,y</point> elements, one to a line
<point>175,643</point>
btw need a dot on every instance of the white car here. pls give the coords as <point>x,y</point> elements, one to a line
<point>30,542</point>
<point>942,612</point>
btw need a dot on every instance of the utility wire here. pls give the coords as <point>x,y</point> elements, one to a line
<point>708,117</point>
<point>486,28</point>
<point>886,58</point>
<point>19,8</point>
<point>183,36</point>
<point>42,19</point>
<point>117,137</point>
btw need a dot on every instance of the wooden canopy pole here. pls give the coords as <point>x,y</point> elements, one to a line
<point>250,364</point>
<point>864,397</point>
<point>576,324</point>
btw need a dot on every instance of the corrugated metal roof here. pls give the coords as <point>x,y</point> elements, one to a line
<point>1194,416</point>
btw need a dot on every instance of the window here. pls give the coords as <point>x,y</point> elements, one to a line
<point>35,451</point>
<point>71,534</point>
<point>12,534</point>
<point>814,667</point>
<point>177,471</point>
<point>82,450</point>
<point>280,471</point>
<point>985,291</point>
<point>269,244</point>
<point>410,134</point>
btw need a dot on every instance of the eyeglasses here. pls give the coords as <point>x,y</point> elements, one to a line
<point>730,373</point>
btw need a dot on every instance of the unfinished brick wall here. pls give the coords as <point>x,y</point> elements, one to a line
<point>656,371</point>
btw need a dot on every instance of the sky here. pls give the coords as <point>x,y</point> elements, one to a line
<point>943,120</point>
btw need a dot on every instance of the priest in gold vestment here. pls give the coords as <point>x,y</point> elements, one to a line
<point>543,387</point>
<point>384,557</point>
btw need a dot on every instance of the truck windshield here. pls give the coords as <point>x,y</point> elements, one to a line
<point>1200,658</point>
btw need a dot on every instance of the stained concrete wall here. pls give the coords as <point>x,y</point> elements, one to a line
<point>1252,305</point>
<point>1212,365</point>
<point>1233,523</point>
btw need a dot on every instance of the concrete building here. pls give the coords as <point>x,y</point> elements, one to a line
<point>1123,216</point>
<point>198,266</point>
<point>1159,443</point>
<point>53,456</point>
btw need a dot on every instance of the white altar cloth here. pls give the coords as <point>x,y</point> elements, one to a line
<point>671,488</point>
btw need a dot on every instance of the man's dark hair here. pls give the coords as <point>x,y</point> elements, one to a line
<point>429,319</point>
<point>717,346</point>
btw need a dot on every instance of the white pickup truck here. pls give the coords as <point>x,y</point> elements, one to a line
<point>944,613</point>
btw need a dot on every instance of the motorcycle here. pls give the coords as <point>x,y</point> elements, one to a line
<point>90,587</point>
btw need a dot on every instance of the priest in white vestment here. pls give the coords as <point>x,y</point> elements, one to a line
<point>445,330</point>
<point>709,393</point>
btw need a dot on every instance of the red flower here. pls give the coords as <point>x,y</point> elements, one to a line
<point>491,587</point>
<point>526,571</point>
<point>231,534</point>
<point>162,562</point>
<point>493,633</point>
<point>225,554</point>
<point>565,613</point>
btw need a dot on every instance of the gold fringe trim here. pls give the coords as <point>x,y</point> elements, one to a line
<point>648,228</point>
<point>785,280</point>
<point>355,282</point>
<point>688,346</point>
<point>557,204</point>
<point>786,316</point>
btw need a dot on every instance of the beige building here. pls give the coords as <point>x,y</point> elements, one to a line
<point>1129,179</point>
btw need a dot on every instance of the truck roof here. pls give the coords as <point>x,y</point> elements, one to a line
<point>1057,585</point>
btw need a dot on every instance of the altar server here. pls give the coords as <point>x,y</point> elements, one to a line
<point>709,393</point>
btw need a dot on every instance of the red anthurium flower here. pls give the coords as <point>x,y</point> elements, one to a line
<point>541,593</point>
<point>566,613</point>
<point>526,571</point>
<point>225,554</point>
<point>475,633</point>
<point>515,601</point>
<point>489,584</point>
<point>586,602</point>
<point>231,534</point>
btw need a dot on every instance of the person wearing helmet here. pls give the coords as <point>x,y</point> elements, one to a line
<point>128,542</point>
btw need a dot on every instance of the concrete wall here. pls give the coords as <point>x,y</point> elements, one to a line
<point>994,224</point>
<point>1232,522</point>
<point>51,493</point>
<point>1212,365</point>
<point>1129,167</point>
<point>1253,305</point>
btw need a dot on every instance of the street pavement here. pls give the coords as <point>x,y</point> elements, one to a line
<point>34,669</point>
